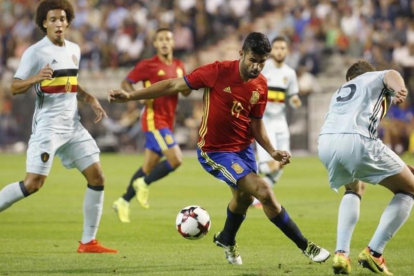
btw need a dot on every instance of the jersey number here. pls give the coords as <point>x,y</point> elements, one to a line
<point>236,109</point>
<point>349,96</point>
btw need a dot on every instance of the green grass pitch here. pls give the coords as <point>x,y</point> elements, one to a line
<point>38,235</point>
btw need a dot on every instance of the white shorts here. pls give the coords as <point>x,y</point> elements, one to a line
<point>350,157</point>
<point>75,150</point>
<point>279,140</point>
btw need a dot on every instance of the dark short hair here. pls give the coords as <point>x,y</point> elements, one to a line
<point>257,43</point>
<point>358,68</point>
<point>161,30</point>
<point>280,38</point>
<point>47,5</point>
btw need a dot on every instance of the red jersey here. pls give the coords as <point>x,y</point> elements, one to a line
<point>229,103</point>
<point>158,113</point>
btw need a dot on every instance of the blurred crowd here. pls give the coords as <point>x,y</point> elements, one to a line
<point>117,33</point>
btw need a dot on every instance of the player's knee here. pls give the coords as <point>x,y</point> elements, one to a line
<point>33,184</point>
<point>97,180</point>
<point>264,195</point>
<point>176,162</point>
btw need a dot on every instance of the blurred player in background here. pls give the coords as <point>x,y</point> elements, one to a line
<point>51,66</point>
<point>157,121</point>
<point>352,153</point>
<point>282,85</point>
<point>234,100</point>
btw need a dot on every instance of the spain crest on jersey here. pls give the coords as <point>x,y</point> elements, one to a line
<point>237,168</point>
<point>255,97</point>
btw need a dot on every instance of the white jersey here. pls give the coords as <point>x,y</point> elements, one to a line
<point>56,103</point>
<point>282,84</point>
<point>358,106</point>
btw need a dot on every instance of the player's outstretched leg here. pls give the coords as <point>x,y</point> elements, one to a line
<point>141,185</point>
<point>255,186</point>
<point>226,239</point>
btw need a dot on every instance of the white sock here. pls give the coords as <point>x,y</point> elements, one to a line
<point>92,211</point>
<point>10,194</point>
<point>276,176</point>
<point>394,216</point>
<point>264,168</point>
<point>348,216</point>
<point>255,201</point>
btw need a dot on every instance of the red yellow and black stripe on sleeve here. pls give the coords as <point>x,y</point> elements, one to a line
<point>63,81</point>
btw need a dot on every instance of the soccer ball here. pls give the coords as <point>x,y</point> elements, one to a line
<point>193,222</point>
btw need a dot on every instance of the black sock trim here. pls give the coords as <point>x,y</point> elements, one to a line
<point>410,195</point>
<point>23,188</point>
<point>353,193</point>
<point>96,188</point>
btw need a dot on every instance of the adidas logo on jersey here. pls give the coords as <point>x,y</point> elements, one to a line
<point>227,89</point>
<point>161,73</point>
<point>54,61</point>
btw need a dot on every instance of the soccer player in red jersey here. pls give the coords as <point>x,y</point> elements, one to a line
<point>235,97</point>
<point>157,122</point>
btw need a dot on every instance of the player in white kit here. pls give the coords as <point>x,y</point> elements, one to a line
<point>282,87</point>
<point>350,150</point>
<point>51,66</point>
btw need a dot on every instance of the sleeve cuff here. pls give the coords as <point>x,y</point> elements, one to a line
<point>188,84</point>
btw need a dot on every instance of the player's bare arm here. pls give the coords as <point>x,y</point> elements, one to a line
<point>395,82</point>
<point>159,89</point>
<point>260,134</point>
<point>82,96</point>
<point>19,86</point>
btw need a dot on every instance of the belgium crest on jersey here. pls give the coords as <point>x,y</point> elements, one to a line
<point>237,168</point>
<point>44,157</point>
<point>255,97</point>
<point>68,86</point>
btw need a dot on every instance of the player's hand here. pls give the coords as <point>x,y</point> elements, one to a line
<point>282,156</point>
<point>118,96</point>
<point>400,96</point>
<point>98,110</point>
<point>45,73</point>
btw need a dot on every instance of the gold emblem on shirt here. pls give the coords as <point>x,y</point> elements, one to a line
<point>237,168</point>
<point>180,73</point>
<point>168,139</point>
<point>68,86</point>
<point>285,80</point>
<point>227,89</point>
<point>255,97</point>
<point>161,73</point>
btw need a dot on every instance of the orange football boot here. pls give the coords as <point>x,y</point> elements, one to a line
<point>94,247</point>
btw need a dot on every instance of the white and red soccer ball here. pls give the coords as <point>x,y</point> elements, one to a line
<point>193,222</point>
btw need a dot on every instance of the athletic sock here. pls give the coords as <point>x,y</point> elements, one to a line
<point>394,216</point>
<point>130,192</point>
<point>160,170</point>
<point>92,211</point>
<point>275,176</point>
<point>348,216</point>
<point>290,229</point>
<point>232,225</point>
<point>11,194</point>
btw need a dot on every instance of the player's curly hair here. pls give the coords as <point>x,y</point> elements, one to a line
<point>47,5</point>
<point>257,43</point>
<point>358,68</point>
